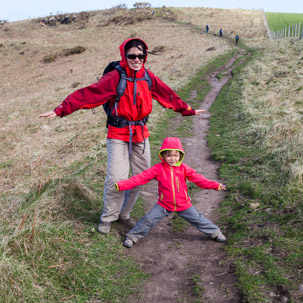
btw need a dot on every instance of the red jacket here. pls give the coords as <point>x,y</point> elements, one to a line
<point>105,90</point>
<point>172,187</point>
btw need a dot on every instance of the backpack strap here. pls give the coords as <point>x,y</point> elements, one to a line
<point>120,87</point>
<point>148,79</point>
<point>122,82</point>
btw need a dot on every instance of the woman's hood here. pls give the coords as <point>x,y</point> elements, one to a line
<point>172,143</point>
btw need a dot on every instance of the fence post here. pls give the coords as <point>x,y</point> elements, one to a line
<point>288,31</point>
<point>296,30</point>
<point>285,32</point>
<point>299,30</point>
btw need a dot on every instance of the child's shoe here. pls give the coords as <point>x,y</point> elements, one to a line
<point>218,236</point>
<point>128,243</point>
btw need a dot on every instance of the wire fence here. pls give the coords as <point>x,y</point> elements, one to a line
<point>291,31</point>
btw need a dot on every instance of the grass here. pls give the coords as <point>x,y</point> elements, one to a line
<point>52,251</point>
<point>260,239</point>
<point>277,21</point>
<point>198,289</point>
<point>51,171</point>
<point>249,25</point>
<point>68,265</point>
<point>82,134</point>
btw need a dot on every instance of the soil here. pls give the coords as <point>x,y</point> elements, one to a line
<point>188,266</point>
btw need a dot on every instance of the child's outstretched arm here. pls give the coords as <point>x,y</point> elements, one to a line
<point>201,181</point>
<point>138,179</point>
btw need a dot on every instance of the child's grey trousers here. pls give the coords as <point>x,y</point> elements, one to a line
<point>157,213</point>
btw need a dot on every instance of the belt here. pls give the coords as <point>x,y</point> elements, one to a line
<point>121,122</point>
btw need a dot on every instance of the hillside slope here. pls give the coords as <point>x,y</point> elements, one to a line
<point>47,218</point>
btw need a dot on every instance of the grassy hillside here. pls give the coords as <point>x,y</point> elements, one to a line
<point>257,134</point>
<point>52,170</point>
<point>277,21</point>
<point>33,150</point>
<point>249,25</point>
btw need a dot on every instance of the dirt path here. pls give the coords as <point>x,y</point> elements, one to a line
<point>176,261</point>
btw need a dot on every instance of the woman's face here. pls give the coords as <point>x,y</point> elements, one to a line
<point>136,63</point>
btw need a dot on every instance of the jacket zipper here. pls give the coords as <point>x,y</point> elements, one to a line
<point>173,188</point>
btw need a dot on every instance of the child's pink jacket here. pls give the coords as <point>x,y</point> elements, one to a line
<point>172,185</point>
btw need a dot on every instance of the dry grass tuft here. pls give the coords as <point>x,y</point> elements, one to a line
<point>127,17</point>
<point>64,53</point>
<point>157,50</point>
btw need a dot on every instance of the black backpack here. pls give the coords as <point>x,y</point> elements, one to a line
<point>122,83</point>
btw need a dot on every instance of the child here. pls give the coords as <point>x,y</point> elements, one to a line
<point>171,175</point>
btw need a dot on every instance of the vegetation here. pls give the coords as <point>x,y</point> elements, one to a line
<point>277,21</point>
<point>142,5</point>
<point>256,134</point>
<point>52,170</point>
<point>65,52</point>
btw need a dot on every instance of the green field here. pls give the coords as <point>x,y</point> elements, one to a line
<point>277,21</point>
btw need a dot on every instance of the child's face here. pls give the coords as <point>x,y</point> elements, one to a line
<point>172,157</point>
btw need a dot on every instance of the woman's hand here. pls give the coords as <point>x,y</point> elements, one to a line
<point>48,114</point>
<point>199,111</point>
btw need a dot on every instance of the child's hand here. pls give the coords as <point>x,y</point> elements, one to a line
<point>222,187</point>
<point>199,111</point>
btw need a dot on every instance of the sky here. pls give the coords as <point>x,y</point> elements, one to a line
<point>16,10</point>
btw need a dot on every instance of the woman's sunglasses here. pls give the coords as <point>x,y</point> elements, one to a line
<point>133,56</point>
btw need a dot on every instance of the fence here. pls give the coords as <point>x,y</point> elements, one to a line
<point>291,31</point>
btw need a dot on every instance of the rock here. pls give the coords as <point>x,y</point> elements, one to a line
<point>254,205</point>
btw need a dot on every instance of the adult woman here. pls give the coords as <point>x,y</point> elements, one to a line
<point>127,144</point>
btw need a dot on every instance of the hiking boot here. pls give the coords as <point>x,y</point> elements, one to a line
<point>128,243</point>
<point>104,227</point>
<point>130,222</point>
<point>218,236</point>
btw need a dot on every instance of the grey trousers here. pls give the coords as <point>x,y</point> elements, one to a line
<point>157,213</point>
<point>119,204</point>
